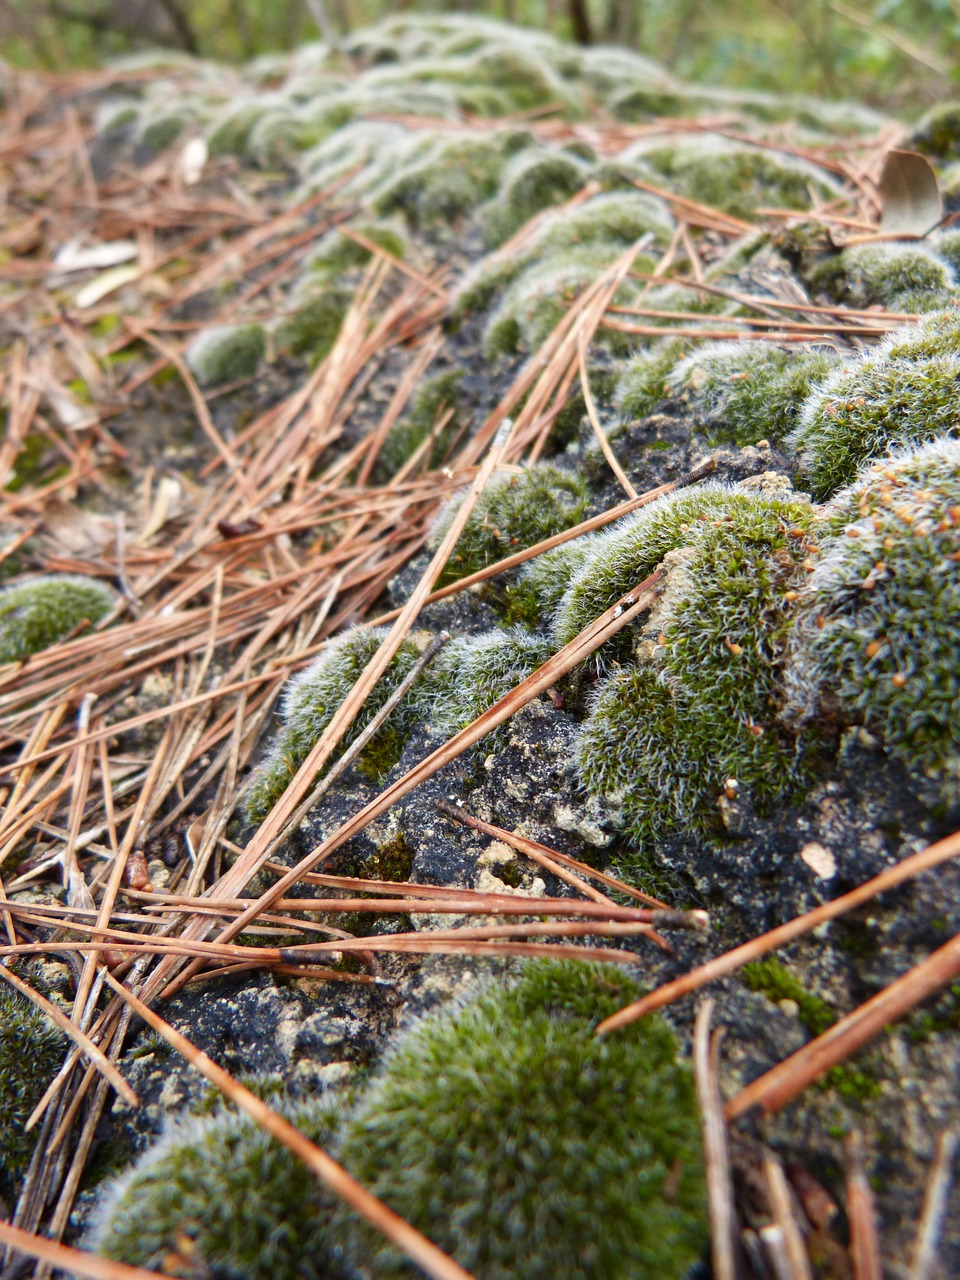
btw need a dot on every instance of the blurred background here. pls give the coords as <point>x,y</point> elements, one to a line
<point>900,55</point>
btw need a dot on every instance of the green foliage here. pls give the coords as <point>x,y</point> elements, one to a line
<point>877,633</point>
<point>748,391</point>
<point>664,740</point>
<point>39,612</point>
<point>314,326</point>
<point>643,386</point>
<point>935,334</point>
<point>445,177</point>
<point>865,408</point>
<point>900,277</point>
<point>309,702</point>
<point>472,672</point>
<point>513,512</point>
<point>542,582</point>
<point>31,1051</point>
<point>524,1145</point>
<point>219,1195</point>
<point>226,352</point>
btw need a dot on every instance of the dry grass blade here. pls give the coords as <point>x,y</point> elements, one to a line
<point>426,1255</point>
<point>924,1260</point>
<point>932,856</point>
<point>716,1158</point>
<point>864,1245</point>
<point>778,1086</point>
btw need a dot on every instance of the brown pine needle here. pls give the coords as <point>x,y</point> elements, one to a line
<point>861,1213</point>
<point>68,1260</point>
<point>924,1260</point>
<point>716,1157</point>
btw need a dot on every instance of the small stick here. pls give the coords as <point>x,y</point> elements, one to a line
<point>864,1245</point>
<point>68,1260</point>
<point>934,1207</point>
<point>781,1202</point>
<point>723,1221</point>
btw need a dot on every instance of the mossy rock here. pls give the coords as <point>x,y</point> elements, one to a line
<point>37,613</point>
<point>523,1144</point>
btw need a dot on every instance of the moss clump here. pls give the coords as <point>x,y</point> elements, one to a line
<point>218,1195</point>
<point>643,385</point>
<point>936,334</point>
<point>444,178</point>
<point>514,511</point>
<point>472,672</point>
<point>937,132</point>
<point>745,392</point>
<point>31,1051</point>
<point>225,353</point>
<point>315,324</point>
<point>900,277</point>
<point>337,253</point>
<point>619,558</point>
<point>310,701</point>
<point>663,741</point>
<point>524,1145</point>
<point>542,582</point>
<point>874,405</point>
<point>433,399</point>
<point>877,634</point>
<point>736,179</point>
<point>533,180</point>
<point>37,613</point>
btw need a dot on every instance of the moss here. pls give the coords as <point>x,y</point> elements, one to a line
<point>433,398</point>
<point>161,130</point>
<point>524,1145</point>
<point>665,740</point>
<point>745,392</point>
<point>736,179</point>
<point>533,180</point>
<point>218,1195</point>
<point>869,407</point>
<point>314,326</point>
<point>444,178</point>
<point>225,353</point>
<point>31,1051</point>
<point>937,132</point>
<point>229,134</point>
<point>877,632</point>
<point>542,582</point>
<point>935,334</point>
<point>900,277</point>
<point>472,672</point>
<point>643,385</point>
<point>37,613</point>
<point>776,982</point>
<point>310,701</point>
<point>514,511</point>
<point>337,253</point>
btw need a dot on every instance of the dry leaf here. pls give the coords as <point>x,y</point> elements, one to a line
<point>77,532</point>
<point>909,194</point>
